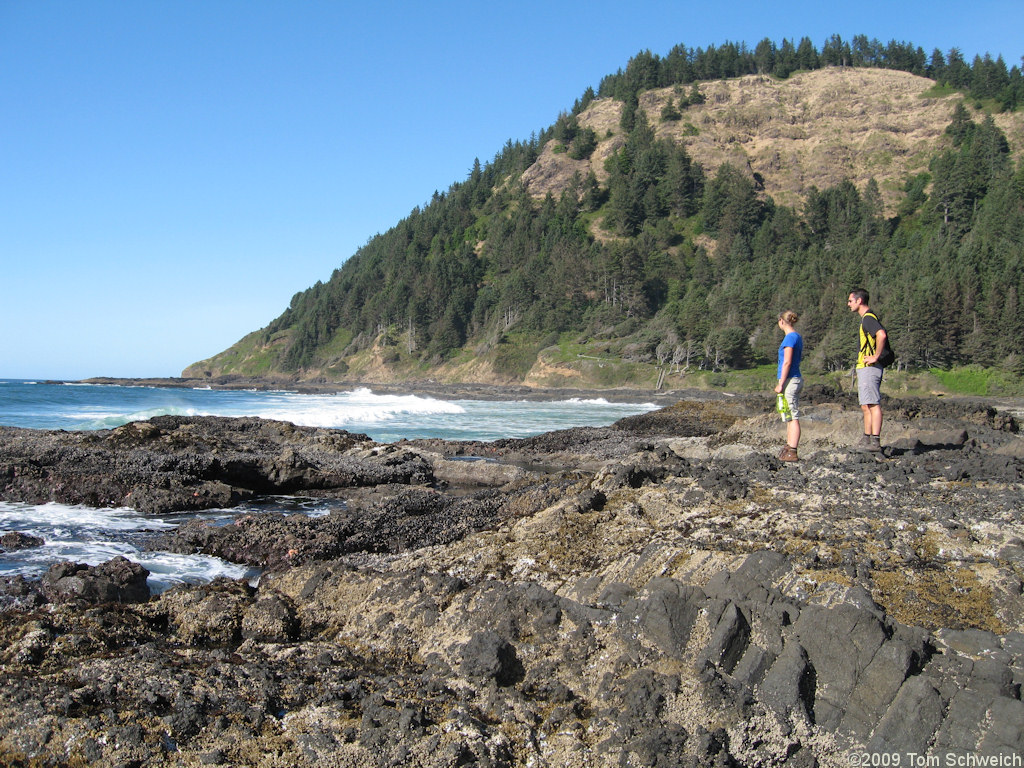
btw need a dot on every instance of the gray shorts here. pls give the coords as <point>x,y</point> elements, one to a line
<point>869,385</point>
<point>791,389</point>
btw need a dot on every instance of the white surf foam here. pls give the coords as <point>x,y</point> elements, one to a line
<point>348,409</point>
<point>86,535</point>
<point>167,569</point>
<point>52,518</point>
<point>110,419</point>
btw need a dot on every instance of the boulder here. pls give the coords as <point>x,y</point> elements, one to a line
<point>117,580</point>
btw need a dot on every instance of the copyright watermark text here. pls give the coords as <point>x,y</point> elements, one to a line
<point>862,759</point>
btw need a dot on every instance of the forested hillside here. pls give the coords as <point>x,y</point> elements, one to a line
<point>668,218</point>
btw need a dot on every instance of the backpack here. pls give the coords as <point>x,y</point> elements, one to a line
<point>888,355</point>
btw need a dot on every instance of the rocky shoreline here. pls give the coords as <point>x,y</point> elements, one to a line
<point>661,592</point>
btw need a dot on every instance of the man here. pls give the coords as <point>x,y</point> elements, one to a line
<point>869,374</point>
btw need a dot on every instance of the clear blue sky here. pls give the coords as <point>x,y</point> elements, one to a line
<point>173,171</point>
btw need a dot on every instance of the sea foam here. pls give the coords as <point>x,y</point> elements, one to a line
<point>92,536</point>
<point>355,408</point>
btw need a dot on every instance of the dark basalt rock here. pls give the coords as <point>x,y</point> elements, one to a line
<point>488,656</point>
<point>689,418</point>
<point>173,463</point>
<point>608,603</point>
<point>790,683</point>
<point>19,593</point>
<point>15,540</point>
<point>412,517</point>
<point>117,580</point>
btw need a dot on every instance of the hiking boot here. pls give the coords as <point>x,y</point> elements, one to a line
<point>788,453</point>
<point>863,445</point>
<point>874,444</point>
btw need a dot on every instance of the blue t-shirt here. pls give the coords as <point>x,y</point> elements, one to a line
<point>796,341</point>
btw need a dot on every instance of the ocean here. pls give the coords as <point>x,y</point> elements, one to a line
<point>93,536</point>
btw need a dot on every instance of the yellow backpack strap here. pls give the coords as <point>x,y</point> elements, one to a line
<point>868,347</point>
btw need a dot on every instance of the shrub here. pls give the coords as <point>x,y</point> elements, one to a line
<point>513,360</point>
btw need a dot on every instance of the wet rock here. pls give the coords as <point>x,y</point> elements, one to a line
<point>15,540</point>
<point>117,580</point>
<point>174,463</point>
<point>406,518</point>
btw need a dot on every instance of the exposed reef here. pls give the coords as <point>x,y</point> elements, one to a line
<point>174,463</point>
<point>660,592</point>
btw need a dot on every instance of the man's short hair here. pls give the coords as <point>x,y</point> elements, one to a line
<point>860,293</point>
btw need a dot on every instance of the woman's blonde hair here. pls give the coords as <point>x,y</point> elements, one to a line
<point>789,317</point>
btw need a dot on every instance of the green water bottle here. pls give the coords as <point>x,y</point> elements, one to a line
<point>782,406</point>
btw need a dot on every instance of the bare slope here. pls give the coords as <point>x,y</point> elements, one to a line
<point>813,129</point>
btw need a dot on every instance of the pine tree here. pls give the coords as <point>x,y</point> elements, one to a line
<point>669,113</point>
<point>806,56</point>
<point>764,56</point>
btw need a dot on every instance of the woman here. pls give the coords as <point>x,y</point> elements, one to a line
<point>790,383</point>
